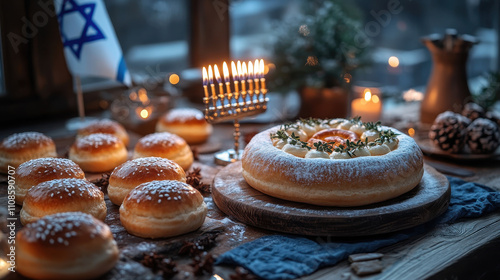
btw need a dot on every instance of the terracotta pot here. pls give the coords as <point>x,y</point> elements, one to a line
<point>323,102</point>
<point>447,89</point>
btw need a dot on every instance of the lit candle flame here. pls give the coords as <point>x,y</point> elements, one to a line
<point>144,114</point>
<point>411,131</point>
<point>261,69</point>
<point>368,95</point>
<point>256,69</point>
<point>240,72</point>
<point>250,70</point>
<point>225,71</point>
<point>234,71</point>
<point>244,71</point>
<point>210,75</point>
<point>217,74</point>
<point>205,77</point>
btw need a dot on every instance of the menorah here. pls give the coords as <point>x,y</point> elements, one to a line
<point>246,98</point>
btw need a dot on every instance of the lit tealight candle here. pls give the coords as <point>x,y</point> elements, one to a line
<point>368,108</point>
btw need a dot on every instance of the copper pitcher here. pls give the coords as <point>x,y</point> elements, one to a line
<point>447,89</point>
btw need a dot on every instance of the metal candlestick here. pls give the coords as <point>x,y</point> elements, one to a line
<point>233,105</point>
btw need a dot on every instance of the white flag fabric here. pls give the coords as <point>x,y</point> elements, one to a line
<point>90,44</point>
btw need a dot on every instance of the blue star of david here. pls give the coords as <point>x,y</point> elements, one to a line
<point>87,11</point>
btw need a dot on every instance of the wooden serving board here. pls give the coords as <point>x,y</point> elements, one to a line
<point>235,197</point>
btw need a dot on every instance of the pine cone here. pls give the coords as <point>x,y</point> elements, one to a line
<point>473,111</point>
<point>493,116</point>
<point>483,136</point>
<point>448,131</point>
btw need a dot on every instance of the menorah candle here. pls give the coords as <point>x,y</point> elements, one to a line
<point>256,74</point>
<point>212,86</point>
<point>221,87</point>
<point>256,79</point>
<point>205,81</point>
<point>250,81</point>
<point>235,78</point>
<point>261,76</point>
<point>242,78</point>
<point>225,71</point>
<point>236,83</point>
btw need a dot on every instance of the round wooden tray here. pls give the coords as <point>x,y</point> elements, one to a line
<point>236,198</point>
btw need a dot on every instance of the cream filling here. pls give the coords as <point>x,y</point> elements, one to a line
<point>361,152</point>
<point>337,155</point>
<point>298,132</point>
<point>358,129</point>
<point>372,135</point>
<point>379,150</point>
<point>317,154</point>
<point>295,150</point>
<point>346,125</point>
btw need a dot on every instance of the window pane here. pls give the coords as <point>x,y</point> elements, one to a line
<point>252,23</point>
<point>394,28</point>
<point>396,31</point>
<point>153,34</point>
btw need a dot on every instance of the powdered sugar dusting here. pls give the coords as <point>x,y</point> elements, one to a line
<point>62,228</point>
<point>183,115</point>
<point>154,166</point>
<point>98,125</point>
<point>25,139</point>
<point>59,166</point>
<point>63,188</point>
<point>163,139</point>
<point>165,190</point>
<point>96,140</point>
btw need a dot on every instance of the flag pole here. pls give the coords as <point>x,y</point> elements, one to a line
<point>79,98</point>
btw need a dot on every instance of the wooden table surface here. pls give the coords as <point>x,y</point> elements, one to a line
<point>469,249</point>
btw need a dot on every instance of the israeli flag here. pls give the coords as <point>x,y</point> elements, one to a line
<point>90,44</point>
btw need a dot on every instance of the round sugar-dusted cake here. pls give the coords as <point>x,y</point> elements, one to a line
<point>335,162</point>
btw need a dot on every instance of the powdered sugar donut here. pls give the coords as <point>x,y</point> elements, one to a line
<point>188,123</point>
<point>21,147</point>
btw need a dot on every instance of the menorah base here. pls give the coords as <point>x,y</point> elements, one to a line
<point>226,157</point>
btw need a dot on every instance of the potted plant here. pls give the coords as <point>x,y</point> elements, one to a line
<point>315,54</point>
